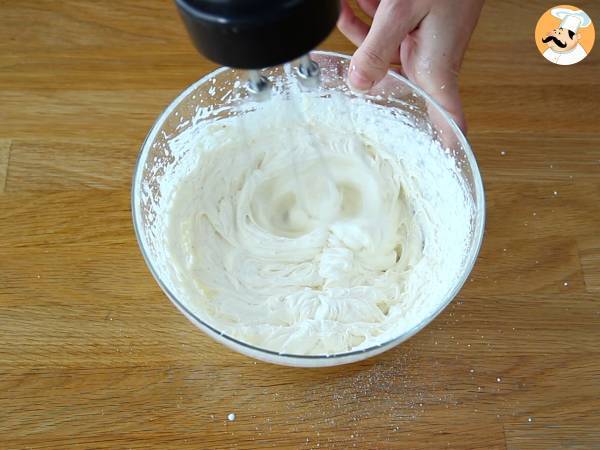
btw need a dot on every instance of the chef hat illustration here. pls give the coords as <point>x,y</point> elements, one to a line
<point>570,19</point>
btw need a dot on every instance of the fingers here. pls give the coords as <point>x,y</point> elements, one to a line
<point>351,26</point>
<point>448,96</point>
<point>355,29</point>
<point>441,82</point>
<point>435,74</point>
<point>434,55</point>
<point>393,20</point>
<point>369,6</point>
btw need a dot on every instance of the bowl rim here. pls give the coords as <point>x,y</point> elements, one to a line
<point>478,231</point>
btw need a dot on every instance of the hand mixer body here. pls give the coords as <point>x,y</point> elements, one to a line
<point>254,34</point>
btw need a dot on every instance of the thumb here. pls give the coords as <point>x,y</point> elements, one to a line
<point>393,20</point>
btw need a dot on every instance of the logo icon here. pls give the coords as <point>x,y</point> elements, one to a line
<point>565,35</point>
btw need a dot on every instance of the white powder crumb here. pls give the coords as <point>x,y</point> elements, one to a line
<point>535,214</point>
<point>555,192</point>
<point>503,249</point>
<point>472,370</point>
<point>231,417</point>
<point>498,379</point>
<point>442,87</point>
<point>503,153</point>
<point>565,283</point>
<point>529,419</point>
<point>479,388</point>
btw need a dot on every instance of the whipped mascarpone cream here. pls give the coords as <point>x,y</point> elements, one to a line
<point>316,226</point>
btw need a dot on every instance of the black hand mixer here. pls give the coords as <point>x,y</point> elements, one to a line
<point>255,34</point>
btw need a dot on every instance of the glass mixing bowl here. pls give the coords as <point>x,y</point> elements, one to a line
<point>215,97</point>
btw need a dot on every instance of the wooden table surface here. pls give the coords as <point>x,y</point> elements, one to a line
<point>93,355</point>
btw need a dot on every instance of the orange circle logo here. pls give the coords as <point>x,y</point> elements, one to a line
<point>565,35</point>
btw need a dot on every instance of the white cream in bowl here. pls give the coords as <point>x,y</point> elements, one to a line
<point>316,227</point>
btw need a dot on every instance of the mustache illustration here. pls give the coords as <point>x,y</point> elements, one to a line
<point>556,41</point>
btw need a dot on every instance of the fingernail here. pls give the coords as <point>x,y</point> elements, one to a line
<point>358,80</point>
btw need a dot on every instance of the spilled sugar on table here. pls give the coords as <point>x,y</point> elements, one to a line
<point>93,355</point>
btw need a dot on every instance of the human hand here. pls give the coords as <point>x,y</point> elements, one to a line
<point>427,37</point>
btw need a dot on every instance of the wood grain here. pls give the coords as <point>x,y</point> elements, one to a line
<point>93,355</point>
<point>4,155</point>
<point>572,436</point>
